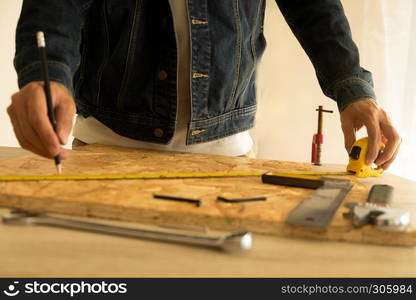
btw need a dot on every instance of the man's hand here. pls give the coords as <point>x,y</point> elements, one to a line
<point>379,128</point>
<point>29,116</point>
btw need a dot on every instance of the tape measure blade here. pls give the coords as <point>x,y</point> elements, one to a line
<point>320,207</point>
<point>125,176</point>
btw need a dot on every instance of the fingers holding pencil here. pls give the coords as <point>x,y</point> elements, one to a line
<point>33,109</point>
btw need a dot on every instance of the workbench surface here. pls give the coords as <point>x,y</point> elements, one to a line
<point>45,251</point>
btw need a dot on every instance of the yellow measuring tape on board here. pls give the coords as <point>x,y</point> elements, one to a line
<point>356,166</point>
<point>159,176</point>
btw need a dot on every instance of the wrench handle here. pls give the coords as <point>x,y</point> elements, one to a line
<point>381,194</point>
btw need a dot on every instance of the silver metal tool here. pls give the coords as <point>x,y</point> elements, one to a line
<point>384,218</point>
<point>381,194</point>
<point>231,241</point>
<point>377,210</point>
<point>320,207</point>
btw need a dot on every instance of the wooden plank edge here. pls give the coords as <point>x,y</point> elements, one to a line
<point>367,234</point>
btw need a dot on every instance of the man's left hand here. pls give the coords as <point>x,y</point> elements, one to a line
<point>365,112</point>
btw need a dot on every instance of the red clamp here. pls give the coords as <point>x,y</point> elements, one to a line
<point>318,139</point>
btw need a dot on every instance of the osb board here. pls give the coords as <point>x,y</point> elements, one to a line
<point>132,200</point>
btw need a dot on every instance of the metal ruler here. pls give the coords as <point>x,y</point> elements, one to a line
<point>158,176</point>
<point>320,207</point>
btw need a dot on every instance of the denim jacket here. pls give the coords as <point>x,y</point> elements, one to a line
<point>118,58</point>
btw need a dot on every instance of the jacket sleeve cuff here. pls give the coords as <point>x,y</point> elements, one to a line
<point>58,72</point>
<point>352,89</point>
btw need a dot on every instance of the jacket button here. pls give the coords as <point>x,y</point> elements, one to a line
<point>162,75</point>
<point>158,132</point>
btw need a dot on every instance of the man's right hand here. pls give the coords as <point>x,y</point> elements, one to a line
<point>29,116</point>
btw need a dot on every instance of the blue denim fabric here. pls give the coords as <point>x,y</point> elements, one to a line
<point>109,54</point>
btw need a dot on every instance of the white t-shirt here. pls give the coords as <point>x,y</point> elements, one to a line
<point>90,130</point>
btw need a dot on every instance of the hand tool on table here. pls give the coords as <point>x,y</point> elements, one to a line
<point>357,158</point>
<point>230,241</point>
<point>320,207</point>
<point>318,138</point>
<point>40,38</point>
<point>377,211</point>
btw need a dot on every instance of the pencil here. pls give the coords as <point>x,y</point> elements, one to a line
<point>40,37</point>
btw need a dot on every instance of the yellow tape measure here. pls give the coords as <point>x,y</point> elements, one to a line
<point>159,176</point>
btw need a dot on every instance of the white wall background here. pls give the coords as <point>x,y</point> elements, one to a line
<point>288,89</point>
<point>9,11</point>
